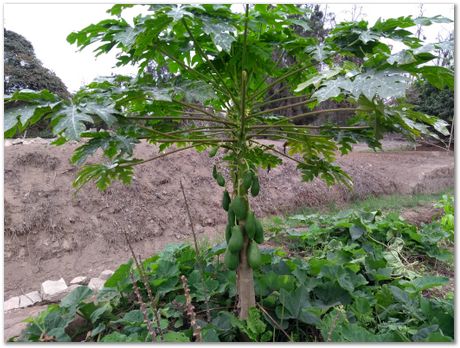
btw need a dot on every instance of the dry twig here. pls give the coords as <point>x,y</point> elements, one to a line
<point>140,267</point>
<point>208,313</point>
<point>191,310</point>
<point>143,308</point>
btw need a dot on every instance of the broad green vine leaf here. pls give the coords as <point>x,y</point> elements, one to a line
<point>172,336</point>
<point>120,277</point>
<point>428,282</point>
<point>76,297</point>
<point>295,302</point>
<point>59,334</point>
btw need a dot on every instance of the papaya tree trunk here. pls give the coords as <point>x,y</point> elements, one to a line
<point>245,283</point>
<point>244,274</point>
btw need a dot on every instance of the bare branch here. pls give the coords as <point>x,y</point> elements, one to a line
<point>180,118</point>
<point>276,151</point>
<point>281,99</point>
<point>279,108</point>
<point>158,157</point>
<point>197,250</point>
<point>203,55</point>
<point>278,80</point>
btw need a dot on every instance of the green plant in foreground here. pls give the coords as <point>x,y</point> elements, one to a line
<point>222,66</point>
<point>355,286</point>
<point>448,220</point>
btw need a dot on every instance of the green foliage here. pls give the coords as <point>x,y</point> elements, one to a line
<point>354,286</point>
<point>433,101</point>
<point>24,71</point>
<point>448,219</point>
<point>226,82</point>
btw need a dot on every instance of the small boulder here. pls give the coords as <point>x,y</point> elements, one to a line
<point>29,299</point>
<point>12,303</point>
<point>82,280</point>
<point>53,290</point>
<point>96,284</point>
<point>105,274</point>
<point>71,288</point>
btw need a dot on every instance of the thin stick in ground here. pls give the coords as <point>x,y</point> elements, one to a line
<point>140,267</point>
<point>191,310</point>
<point>274,322</point>
<point>208,312</point>
<point>143,308</point>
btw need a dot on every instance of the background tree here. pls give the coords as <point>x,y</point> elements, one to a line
<point>431,99</point>
<point>224,69</point>
<point>24,71</point>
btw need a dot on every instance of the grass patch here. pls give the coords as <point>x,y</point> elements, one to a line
<point>385,203</point>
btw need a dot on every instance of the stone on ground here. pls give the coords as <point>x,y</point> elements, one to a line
<point>29,299</point>
<point>105,274</point>
<point>53,290</point>
<point>96,284</point>
<point>12,303</point>
<point>82,280</point>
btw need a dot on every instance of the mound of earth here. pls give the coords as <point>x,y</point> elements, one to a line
<point>51,231</point>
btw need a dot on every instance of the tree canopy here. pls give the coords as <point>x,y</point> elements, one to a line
<point>24,71</point>
<point>206,48</point>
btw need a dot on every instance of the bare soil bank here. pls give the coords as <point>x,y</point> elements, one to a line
<point>51,232</point>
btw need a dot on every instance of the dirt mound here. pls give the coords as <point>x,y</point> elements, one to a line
<point>52,232</point>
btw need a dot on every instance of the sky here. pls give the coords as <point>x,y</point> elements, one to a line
<point>46,26</point>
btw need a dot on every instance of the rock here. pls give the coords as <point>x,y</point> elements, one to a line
<point>29,299</point>
<point>53,290</point>
<point>105,274</point>
<point>12,303</point>
<point>71,288</point>
<point>82,280</point>
<point>66,245</point>
<point>96,284</point>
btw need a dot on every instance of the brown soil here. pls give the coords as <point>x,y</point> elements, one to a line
<point>421,215</point>
<point>53,232</point>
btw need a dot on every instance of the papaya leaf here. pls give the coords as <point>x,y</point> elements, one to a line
<point>70,122</point>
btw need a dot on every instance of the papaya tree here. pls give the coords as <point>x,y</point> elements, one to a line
<point>220,66</point>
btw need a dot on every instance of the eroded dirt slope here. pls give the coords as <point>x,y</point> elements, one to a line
<point>53,232</point>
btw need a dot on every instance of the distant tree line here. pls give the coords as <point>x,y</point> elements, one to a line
<point>22,70</point>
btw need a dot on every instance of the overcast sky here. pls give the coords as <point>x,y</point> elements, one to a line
<point>46,26</point>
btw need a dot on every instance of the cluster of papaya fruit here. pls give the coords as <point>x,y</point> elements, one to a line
<point>241,222</point>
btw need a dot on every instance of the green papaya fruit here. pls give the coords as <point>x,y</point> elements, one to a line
<point>226,200</point>
<point>255,187</point>
<point>247,180</point>
<point>250,225</point>
<point>236,240</point>
<point>220,180</point>
<point>214,172</point>
<point>213,151</point>
<point>259,233</point>
<point>254,256</point>
<point>239,207</point>
<point>231,217</point>
<point>228,233</point>
<point>231,260</point>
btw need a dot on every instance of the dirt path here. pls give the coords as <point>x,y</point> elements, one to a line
<point>51,232</point>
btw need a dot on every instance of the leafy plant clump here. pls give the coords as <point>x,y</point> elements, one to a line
<point>342,278</point>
